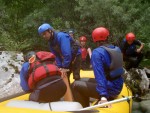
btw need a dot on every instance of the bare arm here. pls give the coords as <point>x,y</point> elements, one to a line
<point>90,52</point>
<point>140,48</point>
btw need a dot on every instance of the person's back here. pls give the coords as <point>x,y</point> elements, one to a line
<point>42,77</point>
<point>107,68</point>
<point>106,65</point>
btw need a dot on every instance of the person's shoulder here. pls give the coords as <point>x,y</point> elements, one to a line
<point>99,50</point>
<point>25,64</point>
<point>61,35</point>
<point>137,41</point>
<point>110,47</point>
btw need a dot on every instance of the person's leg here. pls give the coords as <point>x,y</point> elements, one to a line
<point>131,62</point>
<point>83,65</point>
<point>68,95</point>
<point>127,63</point>
<point>69,73</point>
<point>139,58</point>
<point>76,66</point>
<point>82,90</point>
<point>92,80</point>
<point>88,62</point>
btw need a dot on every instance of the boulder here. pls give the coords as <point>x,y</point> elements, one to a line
<point>144,84</point>
<point>147,72</point>
<point>145,106</point>
<point>137,80</point>
<point>137,111</point>
<point>10,66</point>
<point>135,106</point>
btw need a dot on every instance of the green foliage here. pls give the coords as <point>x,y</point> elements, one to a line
<point>145,63</point>
<point>20,20</point>
<point>118,16</point>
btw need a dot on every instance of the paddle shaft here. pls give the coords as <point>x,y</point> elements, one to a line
<point>104,104</point>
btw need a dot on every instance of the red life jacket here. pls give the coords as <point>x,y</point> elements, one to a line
<point>84,53</point>
<point>43,66</point>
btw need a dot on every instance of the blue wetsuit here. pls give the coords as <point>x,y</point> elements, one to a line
<point>107,88</point>
<point>24,77</point>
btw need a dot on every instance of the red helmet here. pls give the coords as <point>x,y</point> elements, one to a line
<point>83,39</point>
<point>99,34</point>
<point>130,37</point>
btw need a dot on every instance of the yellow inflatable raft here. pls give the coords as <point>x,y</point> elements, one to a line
<point>122,104</point>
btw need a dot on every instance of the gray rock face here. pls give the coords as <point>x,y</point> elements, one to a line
<point>10,65</point>
<point>141,107</point>
<point>147,70</point>
<point>144,85</point>
<point>137,80</point>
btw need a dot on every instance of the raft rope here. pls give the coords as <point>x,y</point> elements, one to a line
<point>50,106</point>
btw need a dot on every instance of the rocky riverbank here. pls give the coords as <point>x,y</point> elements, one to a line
<point>10,65</point>
<point>142,106</point>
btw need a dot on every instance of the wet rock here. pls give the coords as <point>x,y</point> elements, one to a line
<point>148,111</point>
<point>10,66</point>
<point>137,80</point>
<point>137,111</point>
<point>144,84</point>
<point>147,71</point>
<point>135,106</point>
<point>145,106</point>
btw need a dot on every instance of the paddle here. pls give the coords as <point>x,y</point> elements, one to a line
<point>110,102</point>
